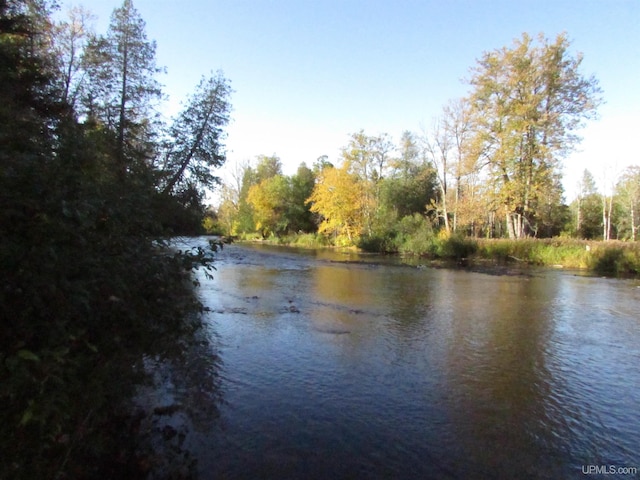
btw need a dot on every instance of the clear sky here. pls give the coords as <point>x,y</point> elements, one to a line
<point>307,73</point>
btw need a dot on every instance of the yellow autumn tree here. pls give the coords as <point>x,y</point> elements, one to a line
<point>338,198</point>
<point>269,200</point>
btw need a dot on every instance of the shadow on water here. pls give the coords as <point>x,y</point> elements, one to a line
<point>181,397</point>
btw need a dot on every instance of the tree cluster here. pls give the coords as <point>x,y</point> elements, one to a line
<point>488,166</point>
<point>91,185</point>
<point>612,213</point>
<point>365,196</point>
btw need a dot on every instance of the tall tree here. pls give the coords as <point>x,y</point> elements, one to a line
<point>527,103</point>
<point>586,206</point>
<point>439,146</point>
<point>409,153</point>
<point>368,157</point>
<point>270,201</point>
<point>300,216</point>
<point>70,39</point>
<point>195,140</point>
<point>409,190</point>
<point>338,198</point>
<point>608,179</point>
<point>628,193</point>
<point>27,97</point>
<point>122,88</point>
<point>267,167</point>
<point>457,123</point>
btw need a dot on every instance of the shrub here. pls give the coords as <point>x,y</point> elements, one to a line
<point>415,235</point>
<point>610,258</point>
<point>617,259</point>
<point>378,243</point>
<point>455,247</point>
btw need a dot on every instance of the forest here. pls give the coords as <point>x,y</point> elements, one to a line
<point>93,185</point>
<point>488,167</point>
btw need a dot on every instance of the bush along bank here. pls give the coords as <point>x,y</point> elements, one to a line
<point>603,258</point>
<point>606,258</point>
<point>89,286</point>
<point>74,352</point>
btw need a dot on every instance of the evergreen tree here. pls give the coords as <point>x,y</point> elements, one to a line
<point>195,140</point>
<point>587,208</point>
<point>122,89</point>
<point>87,290</point>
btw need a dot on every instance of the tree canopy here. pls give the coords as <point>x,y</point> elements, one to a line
<point>90,289</point>
<point>527,101</point>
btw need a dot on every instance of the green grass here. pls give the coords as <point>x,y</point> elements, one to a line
<point>606,258</point>
<point>613,257</point>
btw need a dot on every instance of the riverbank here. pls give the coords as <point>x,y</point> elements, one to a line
<point>607,258</point>
<point>75,362</point>
<point>604,258</point>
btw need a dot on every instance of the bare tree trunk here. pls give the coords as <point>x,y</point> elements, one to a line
<point>605,230</point>
<point>511,227</point>
<point>445,214</point>
<point>606,217</point>
<point>455,207</point>
<point>610,215</point>
<point>579,218</point>
<point>122,107</point>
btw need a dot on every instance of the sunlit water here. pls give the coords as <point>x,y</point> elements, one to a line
<point>337,366</point>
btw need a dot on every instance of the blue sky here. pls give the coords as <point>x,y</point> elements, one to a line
<point>308,73</point>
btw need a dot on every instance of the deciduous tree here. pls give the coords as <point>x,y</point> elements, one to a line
<point>628,195</point>
<point>338,198</point>
<point>70,39</point>
<point>527,102</point>
<point>270,200</point>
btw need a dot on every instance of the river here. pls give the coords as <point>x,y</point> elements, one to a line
<point>336,366</point>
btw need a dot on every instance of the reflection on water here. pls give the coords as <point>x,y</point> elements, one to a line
<point>355,367</point>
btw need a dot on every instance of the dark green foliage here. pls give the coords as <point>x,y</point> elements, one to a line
<point>609,262</point>
<point>382,242</point>
<point>122,86</point>
<point>408,191</point>
<point>299,214</point>
<point>195,145</point>
<point>617,258</point>
<point>88,286</point>
<point>553,219</point>
<point>455,247</point>
<point>586,209</point>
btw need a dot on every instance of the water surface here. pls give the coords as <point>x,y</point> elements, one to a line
<point>342,366</point>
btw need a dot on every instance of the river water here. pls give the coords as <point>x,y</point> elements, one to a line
<point>343,366</point>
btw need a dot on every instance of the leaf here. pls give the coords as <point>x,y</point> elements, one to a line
<point>28,355</point>
<point>27,416</point>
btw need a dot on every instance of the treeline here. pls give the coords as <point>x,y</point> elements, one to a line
<point>92,184</point>
<point>489,167</point>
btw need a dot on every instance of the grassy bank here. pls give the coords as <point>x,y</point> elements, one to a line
<point>610,258</point>
<point>301,240</point>
<point>606,258</point>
